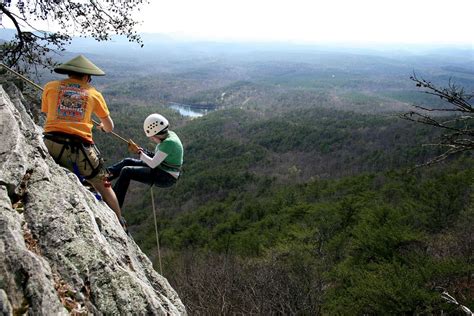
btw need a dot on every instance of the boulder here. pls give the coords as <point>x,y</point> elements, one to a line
<point>64,251</point>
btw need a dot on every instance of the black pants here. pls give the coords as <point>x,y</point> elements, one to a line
<point>135,169</point>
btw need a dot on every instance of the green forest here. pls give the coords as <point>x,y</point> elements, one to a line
<point>362,228</point>
<point>324,178</point>
<point>303,190</point>
<point>305,199</point>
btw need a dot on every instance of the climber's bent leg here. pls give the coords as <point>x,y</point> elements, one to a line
<point>140,174</point>
<point>114,170</point>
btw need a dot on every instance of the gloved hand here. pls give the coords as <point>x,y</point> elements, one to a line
<point>133,148</point>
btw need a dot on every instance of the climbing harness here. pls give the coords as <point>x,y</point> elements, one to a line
<point>171,166</point>
<point>76,146</point>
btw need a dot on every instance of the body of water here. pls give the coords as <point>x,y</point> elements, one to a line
<point>187,110</point>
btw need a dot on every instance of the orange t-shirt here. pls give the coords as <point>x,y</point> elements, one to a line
<point>69,105</point>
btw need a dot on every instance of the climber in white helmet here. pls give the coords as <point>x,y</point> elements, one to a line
<point>161,167</point>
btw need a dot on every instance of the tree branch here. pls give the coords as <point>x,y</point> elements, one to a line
<point>21,43</point>
<point>459,136</point>
<point>98,19</point>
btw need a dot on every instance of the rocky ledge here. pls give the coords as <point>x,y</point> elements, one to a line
<point>62,250</point>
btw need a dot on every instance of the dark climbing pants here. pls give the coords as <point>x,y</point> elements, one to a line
<point>135,169</point>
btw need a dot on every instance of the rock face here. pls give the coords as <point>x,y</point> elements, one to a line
<point>61,250</point>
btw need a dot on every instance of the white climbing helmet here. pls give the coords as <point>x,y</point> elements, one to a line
<point>154,124</point>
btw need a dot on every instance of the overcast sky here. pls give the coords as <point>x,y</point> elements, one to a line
<point>410,21</point>
<point>340,21</point>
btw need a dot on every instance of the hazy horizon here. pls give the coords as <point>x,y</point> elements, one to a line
<point>151,38</point>
<point>365,22</point>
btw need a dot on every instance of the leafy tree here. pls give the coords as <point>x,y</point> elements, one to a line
<point>458,128</point>
<point>95,18</point>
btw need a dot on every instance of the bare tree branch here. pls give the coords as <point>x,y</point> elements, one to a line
<point>458,126</point>
<point>98,19</point>
<point>17,49</point>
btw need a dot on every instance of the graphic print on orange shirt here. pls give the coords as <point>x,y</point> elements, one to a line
<point>72,102</point>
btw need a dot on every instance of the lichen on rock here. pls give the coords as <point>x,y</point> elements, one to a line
<point>84,262</point>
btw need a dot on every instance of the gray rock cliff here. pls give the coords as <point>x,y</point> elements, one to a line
<point>61,250</point>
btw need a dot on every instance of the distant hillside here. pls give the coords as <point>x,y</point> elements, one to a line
<point>228,150</point>
<point>309,198</point>
<point>265,78</point>
<point>297,193</point>
<point>301,197</point>
<point>382,242</point>
<point>184,69</point>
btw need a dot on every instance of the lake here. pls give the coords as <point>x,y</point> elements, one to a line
<point>188,110</point>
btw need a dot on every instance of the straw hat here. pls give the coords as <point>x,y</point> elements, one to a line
<point>81,65</point>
